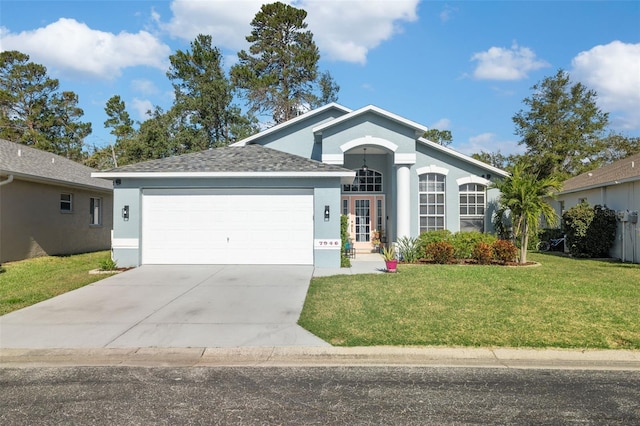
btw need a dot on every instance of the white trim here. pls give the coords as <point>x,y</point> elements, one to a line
<point>371,108</point>
<point>473,179</point>
<point>336,159</point>
<point>404,158</point>
<point>432,169</point>
<point>287,123</point>
<point>463,157</point>
<point>125,243</point>
<point>115,174</point>
<point>369,140</point>
<point>403,200</point>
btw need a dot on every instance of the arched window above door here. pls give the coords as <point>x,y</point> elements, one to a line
<point>366,180</point>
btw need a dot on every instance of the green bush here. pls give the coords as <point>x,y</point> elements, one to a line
<point>590,231</point>
<point>429,237</point>
<point>344,237</point>
<point>108,265</point>
<point>440,252</point>
<point>482,253</point>
<point>504,251</point>
<point>408,249</point>
<point>464,242</point>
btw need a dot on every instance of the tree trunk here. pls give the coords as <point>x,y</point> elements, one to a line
<point>524,242</point>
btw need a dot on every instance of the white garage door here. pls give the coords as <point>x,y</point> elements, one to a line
<point>195,226</point>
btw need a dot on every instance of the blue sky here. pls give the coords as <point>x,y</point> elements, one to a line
<point>460,66</point>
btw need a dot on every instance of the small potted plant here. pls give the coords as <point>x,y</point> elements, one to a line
<point>389,256</point>
<point>376,241</point>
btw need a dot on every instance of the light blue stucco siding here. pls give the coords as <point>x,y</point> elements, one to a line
<point>127,233</point>
<point>298,138</point>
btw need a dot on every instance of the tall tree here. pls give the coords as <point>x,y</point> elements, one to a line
<point>64,132</point>
<point>442,137</point>
<point>525,195</point>
<point>33,112</point>
<point>25,93</point>
<point>279,75</point>
<point>562,127</point>
<point>616,147</point>
<point>204,95</point>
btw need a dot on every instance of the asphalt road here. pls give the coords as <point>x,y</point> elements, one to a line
<point>317,395</point>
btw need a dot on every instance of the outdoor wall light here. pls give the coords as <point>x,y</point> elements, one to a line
<point>326,213</point>
<point>125,212</point>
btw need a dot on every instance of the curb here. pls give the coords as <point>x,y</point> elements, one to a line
<point>323,357</point>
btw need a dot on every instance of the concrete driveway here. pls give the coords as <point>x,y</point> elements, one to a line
<point>171,306</point>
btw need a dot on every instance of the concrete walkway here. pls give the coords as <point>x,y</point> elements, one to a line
<point>364,263</point>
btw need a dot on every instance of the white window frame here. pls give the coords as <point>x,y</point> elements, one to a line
<point>471,208</point>
<point>65,202</point>
<point>432,185</point>
<point>95,211</point>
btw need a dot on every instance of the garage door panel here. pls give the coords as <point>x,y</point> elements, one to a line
<point>261,227</point>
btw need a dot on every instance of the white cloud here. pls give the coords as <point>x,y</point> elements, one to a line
<point>442,124</point>
<point>347,31</point>
<point>142,107</point>
<point>499,63</point>
<point>446,12</point>
<point>72,47</point>
<point>613,71</point>
<point>343,31</point>
<point>144,86</point>
<point>488,142</point>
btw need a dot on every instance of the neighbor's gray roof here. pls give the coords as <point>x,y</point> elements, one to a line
<point>625,170</point>
<point>231,159</point>
<point>33,164</point>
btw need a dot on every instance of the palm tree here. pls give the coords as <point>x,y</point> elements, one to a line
<point>524,195</point>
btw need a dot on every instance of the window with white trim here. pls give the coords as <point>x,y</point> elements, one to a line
<point>95,211</point>
<point>366,180</point>
<point>432,191</point>
<point>66,203</point>
<point>473,203</point>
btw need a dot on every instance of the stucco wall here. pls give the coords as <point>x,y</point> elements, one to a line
<point>32,225</point>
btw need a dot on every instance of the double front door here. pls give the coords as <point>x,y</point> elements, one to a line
<point>367,220</point>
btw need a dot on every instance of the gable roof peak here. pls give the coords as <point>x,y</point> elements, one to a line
<point>419,128</point>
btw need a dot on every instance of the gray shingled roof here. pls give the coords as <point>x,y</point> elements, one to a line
<point>627,169</point>
<point>25,162</point>
<point>231,159</point>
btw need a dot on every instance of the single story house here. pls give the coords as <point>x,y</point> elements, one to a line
<point>50,205</point>
<point>616,186</point>
<point>276,197</point>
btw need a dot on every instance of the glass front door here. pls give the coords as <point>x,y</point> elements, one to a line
<point>366,220</point>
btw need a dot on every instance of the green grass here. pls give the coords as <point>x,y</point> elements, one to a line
<point>30,281</point>
<point>564,303</point>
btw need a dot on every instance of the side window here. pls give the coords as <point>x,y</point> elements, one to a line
<point>472,207</point>
<point>66,203</point>
<point>432,197</point>
<point>95,211</point>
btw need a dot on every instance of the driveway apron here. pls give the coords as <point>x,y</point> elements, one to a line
<point>171,306</point>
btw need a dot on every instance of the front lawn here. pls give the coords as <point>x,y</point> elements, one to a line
<point>564,303</point>
<point>30,281</point>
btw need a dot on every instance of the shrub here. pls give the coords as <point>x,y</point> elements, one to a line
<point>504,251</point>
<point>108,265</point>
<point>482,253</point>
<point>464,242</point>
<point>590,231</point>
<point>344,236</point>
<point>440,251</point>
<point>408,249</point>
<point>429,237</point>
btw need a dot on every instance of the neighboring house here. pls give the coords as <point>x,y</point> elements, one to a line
<point>276,197</point>
<point>50,205</point>
<point>616,186</point>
